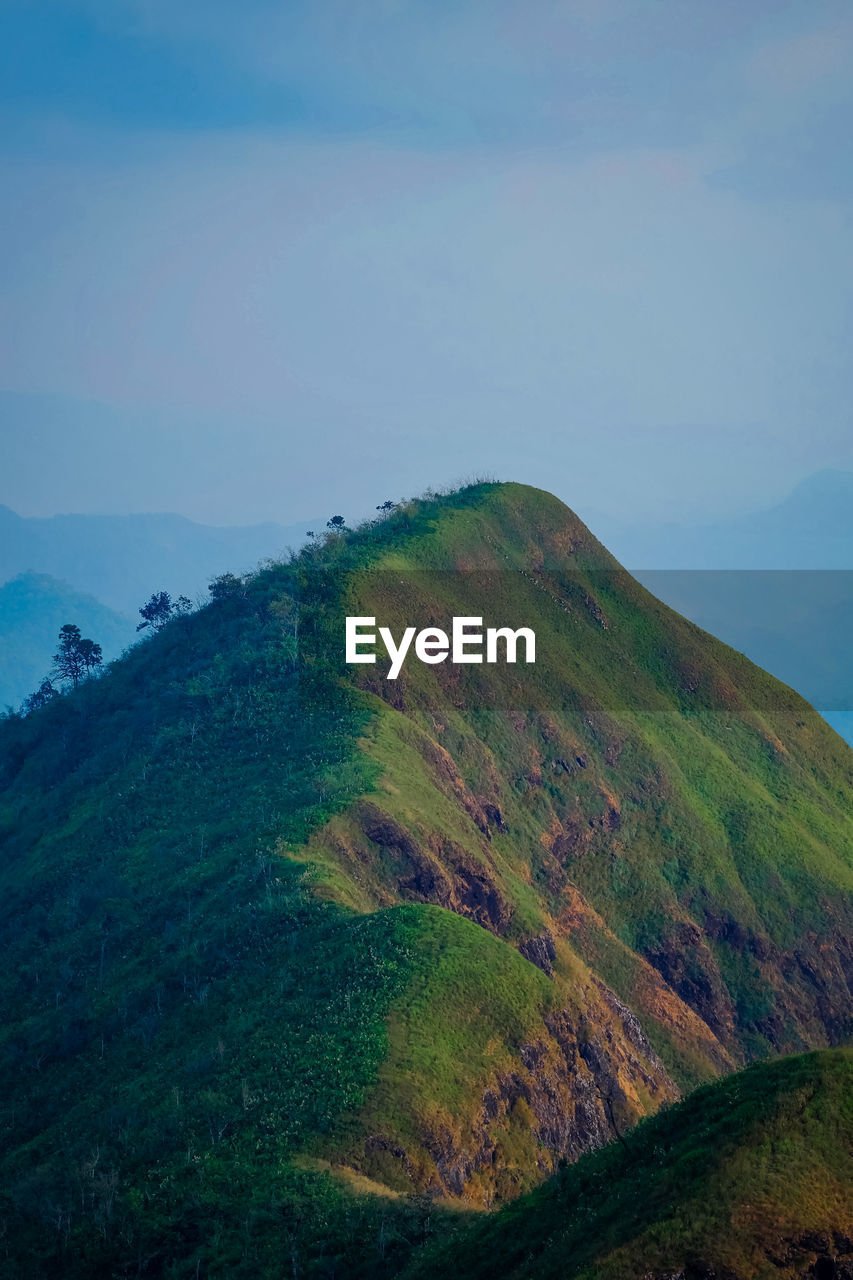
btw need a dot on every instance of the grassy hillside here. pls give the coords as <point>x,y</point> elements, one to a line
<point>278,933</point>
<point>750,1177</point>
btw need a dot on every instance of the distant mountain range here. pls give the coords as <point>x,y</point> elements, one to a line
<point>121,559</point>
<point>810,529</point>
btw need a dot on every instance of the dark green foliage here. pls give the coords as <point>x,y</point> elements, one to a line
<point>152,940</point>
<point>77,655</point>
<point>44,694</point>
<point>227,586</point>
<point>156,611</point>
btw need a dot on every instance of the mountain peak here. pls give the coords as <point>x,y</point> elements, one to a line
<point>442,932</point>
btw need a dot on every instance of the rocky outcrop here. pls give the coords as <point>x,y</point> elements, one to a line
<point>685,961</point>
<point>436,869</point>
<point>572,1089</point>
<point>650,995</point>
<point>540,951</point>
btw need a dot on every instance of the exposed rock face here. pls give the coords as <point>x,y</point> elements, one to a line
<point>540,951</point>
<point>652,997</point>
<point>575,1088</point>
<point>684,959</point>
<point>448,779</point>
<point>590,1073</point>
<point>813,981</point>
<point>438,870</point>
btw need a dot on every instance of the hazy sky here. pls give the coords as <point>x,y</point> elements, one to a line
<point>265,260</point>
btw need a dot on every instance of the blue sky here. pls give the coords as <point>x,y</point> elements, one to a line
<point>259,261</point>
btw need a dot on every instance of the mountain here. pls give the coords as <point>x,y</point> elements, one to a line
<point>121,560</point>
<point>812,528</point>
<point>297,955</point>
<point>33,607</point>
<point>750,1177</point>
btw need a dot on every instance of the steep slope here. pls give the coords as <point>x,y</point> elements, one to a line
<point>751,1177</point>
<point>797,624</point>
<point>33,607</point>
<point>640,769</point>
<point>266,916</point>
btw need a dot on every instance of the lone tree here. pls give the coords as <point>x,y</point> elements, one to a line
<point>337,524</point>
<point>156,612</point>
<point>386,507</point>
<point>76,657</point>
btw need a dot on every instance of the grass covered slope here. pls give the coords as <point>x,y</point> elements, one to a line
<point>273,928</point>
<point>641,774</point>
<point>750,1177</point>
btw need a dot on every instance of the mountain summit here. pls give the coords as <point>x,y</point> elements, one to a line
<point>281,931</point>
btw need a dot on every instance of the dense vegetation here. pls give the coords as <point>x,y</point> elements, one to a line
<point>248,1026</point>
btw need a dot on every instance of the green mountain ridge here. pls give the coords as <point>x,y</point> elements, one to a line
<point>278,932</point>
